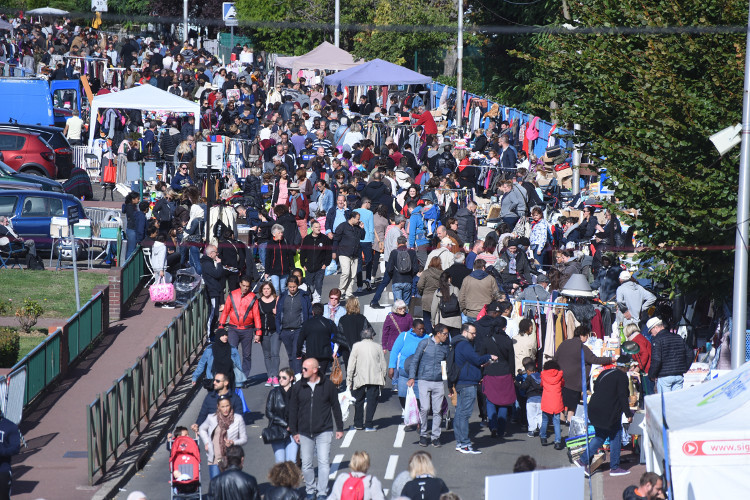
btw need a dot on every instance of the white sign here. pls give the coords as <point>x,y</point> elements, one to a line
<point>98,5</point>
<point>562,484</point>
<point>229,13</point>
<point>209,155</point>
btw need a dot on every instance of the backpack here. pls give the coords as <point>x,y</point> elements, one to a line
<point>450,308</point>
<point>452,369</point>
<point>354,488</point>
<point>403,262</point>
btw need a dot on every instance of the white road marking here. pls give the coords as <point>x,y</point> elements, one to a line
<point>385,492</point>
<point>335,466</point>
<point>348,438</point>
<point>400,434</point>
<point>390,470</point>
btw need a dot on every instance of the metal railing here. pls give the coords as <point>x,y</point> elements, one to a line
<point>114,417</point>
<point>132,270</point>
<point>49,359</point>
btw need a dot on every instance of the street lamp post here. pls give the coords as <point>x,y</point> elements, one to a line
<point>184,20</point>
<point>460,66</point>
<point>336,27</point>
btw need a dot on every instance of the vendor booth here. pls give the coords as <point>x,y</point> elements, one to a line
<point>323,57</point>
<point>708,437</point>
<point>143,97</point>
<point>377,72</point>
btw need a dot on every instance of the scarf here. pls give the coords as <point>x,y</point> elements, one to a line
<point>222,358</point>
<point>224,423</point>
<point>512,262</point>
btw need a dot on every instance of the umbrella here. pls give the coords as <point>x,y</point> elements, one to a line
<point>48,11</point>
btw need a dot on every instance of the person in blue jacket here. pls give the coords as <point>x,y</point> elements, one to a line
<point>293,308</point>
<point>469,376</point>
<point>418,233</point>
<point>10,444</point>
<point>404,346</point>
<point>219,356</point>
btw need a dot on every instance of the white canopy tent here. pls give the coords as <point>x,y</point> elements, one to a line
<point>143,97</point>
<point>708,437</point>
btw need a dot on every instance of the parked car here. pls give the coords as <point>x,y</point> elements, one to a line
<point>55,138</point>
<point>8,175</point>
<point>31,212</point>
<point>25,151</point>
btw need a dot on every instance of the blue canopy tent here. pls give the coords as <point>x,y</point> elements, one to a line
<point>376,72</point>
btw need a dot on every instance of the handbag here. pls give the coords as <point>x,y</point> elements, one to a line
<point>337,375</point>
<point>110,173</point>
<point>522,228</point>
<point>161,292</point>
<point>273,433</point>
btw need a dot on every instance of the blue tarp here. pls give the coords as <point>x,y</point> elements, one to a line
<point>376,72</point>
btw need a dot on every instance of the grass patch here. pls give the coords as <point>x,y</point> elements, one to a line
<point>29,342</point>
<point>54,290</point>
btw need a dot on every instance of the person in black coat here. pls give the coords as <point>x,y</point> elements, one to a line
<point>277,413</point>
<point>458,270</point>
<point>10,444</point>
<point>289,223</point>
<point>587,226</point>
<point>316,336</point>
<point>213,278</point>
<point>233,483</point>
<point>350,328</point>
<point>233,255</point>
<point>252,187</point>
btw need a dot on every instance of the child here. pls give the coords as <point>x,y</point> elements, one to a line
<point>178,431</point>
<point>431,214</point>
<point>552,403</point>
<point>532,388</point>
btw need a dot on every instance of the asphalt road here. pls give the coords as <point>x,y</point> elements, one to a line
<point>389,447</point>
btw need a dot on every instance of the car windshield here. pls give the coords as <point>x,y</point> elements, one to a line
<point>6,170</point>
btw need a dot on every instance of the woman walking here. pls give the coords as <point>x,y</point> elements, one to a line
<point>270,341</point>
<point>427,285</point>
<point>445,309</point>
<point>220,431</point>
<point>497,381</point>
<point>398,320</point>
<point>359,465</point>
<point>221,357</point>
<point>277,413</point>
<point>365,377</point>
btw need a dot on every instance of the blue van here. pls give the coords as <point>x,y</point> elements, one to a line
<point>26,100</point>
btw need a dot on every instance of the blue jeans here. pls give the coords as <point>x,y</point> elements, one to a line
<point>467,394</point>
<point>271,343</point>
<point>285,451</point>
<point>427,318</point>
<point>669,384</point>
<point>467,319</point>
<point>555,423</point>
<point>381,288</point>
<point>194,257</point>
<point>402,291</point>
<point>279,282</point>
<point>615,442</point>
<point>319,444</point>
<point>497,417</point>
<point>130,235</point>
<point>365,262</point>
<point>290,338</point>
<point>262,255</point>
<point>213,471</point>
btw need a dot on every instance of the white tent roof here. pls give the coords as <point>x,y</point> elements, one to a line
<point>144,97</point>
<point>324,56</point>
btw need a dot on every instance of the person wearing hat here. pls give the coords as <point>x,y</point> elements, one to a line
<point>643,356</point>
<point>538,292</point>
<point>671,357</point>
<point>636,298</point>
<point>606,407</point>
<point>299,206</point>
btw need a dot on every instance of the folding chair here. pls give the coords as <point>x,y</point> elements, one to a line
<point>147,261</point>
<point>8,251</point>
<point>91,163</point>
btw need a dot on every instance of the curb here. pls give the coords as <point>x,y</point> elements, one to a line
<point>133,459</point>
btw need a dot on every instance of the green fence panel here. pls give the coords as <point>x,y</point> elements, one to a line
<point>85,326</point>
<point>132,271</point>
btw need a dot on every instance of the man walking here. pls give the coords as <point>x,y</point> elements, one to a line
<point>213,277</point>
<point>426,366</point>
<point>292,310</point>
<point>368,224</point>
<point>346,246</point>
<point>402,266</point>
<point>670,357</point>
<point>316,335</point>
<point>221,388</point>
<point>470,364</point>
<point>242,314</point>
<point>313,411</point>
<point>234,483</point>
<point>315,255</point>
<point>477,290</point>
<point>391,242</point>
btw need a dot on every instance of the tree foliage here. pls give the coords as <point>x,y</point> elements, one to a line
<point>648,103</point>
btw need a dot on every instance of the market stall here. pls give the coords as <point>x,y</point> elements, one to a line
<point>323,57</point>
<point>708,438</point>
<point>144,97</point>
<point>377,72</point>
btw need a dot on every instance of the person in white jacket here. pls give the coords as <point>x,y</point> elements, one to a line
<point>359,464</point>
<point>365,377</point>
<point>220,431</point>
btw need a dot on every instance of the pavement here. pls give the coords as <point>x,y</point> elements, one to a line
<point>54,465</point>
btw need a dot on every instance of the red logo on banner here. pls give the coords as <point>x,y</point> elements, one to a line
<point>691,448</point>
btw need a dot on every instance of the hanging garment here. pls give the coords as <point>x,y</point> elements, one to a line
<point>549,338</point>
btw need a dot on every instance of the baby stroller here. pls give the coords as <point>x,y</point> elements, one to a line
<point>185,469</point>
<point>186,285</point>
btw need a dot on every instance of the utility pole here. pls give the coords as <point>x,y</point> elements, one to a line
<point>184,20</point>
<point>739,295</point>
<point>460,66</point>
<point>337,22</point>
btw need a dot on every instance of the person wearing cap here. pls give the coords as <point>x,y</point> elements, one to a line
<point>636,298</point>
<point>568,355</point>
<point>299,206</point>
<point>538,292</point>
<point>671,357</point>
<point>607,405</point>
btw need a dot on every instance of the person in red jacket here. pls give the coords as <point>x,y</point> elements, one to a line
<point>643,356</point>
<point>552,402</point>
<point>240,314</point>
<point>425,119</point>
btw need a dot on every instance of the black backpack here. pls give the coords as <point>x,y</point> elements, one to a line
<point>453,371</point>
<point>403,262</point>
<point>449,308</point>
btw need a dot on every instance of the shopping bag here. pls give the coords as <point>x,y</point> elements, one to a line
<point>241,395</point>
<point>345,399</point>
<point>110,173</point>
<point>337,376</point>
<point>411,409</point>
<point>161,292</point>
<point>332,268</point>
<point>298,263</point>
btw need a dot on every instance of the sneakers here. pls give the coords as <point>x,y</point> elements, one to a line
<point>530,434</point>
<point>275,381</point>
<point>586,471</point>
<point>167,306</point>
<point>436,443</point>
<point>359,289</point>
<point>358,427</point>
<point>376,305</point>
<point>468,450</point>
<point>493,433</point>
<point>370,429</point>
<point>423,441</point>
<point>559,446</point>
<point>368,285</point>
<point>269,382</point>
<point>618,472</point>
<point>544,441</point>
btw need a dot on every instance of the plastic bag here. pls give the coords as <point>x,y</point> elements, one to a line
<point>345,399</point>
<point>332,268</point>
<point>411,408</point>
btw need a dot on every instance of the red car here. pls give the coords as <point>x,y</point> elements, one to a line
<point>28,152</point>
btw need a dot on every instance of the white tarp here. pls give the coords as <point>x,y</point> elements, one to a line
<point>143,97</point>
<point>708,436</point>
<point>324,56</point>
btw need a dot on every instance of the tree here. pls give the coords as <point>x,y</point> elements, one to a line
<point>647,103</point>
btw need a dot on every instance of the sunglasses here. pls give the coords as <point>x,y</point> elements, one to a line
<point>333,298</point>
<point>218,381</point>
<point>283,378</point>
<point>306,369</point>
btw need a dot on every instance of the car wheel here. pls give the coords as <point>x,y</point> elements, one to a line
<point>34,171</point>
